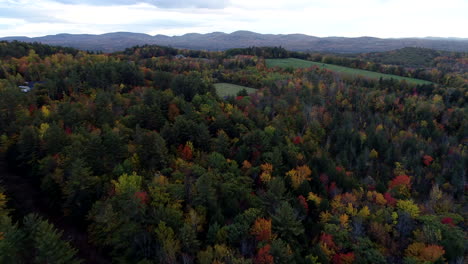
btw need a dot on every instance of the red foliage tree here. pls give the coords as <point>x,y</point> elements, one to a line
<point>332,188</point>
<point>68,131</point>
<point>263,256</point>
<point>343,258</point>
<point>447,221</point>
<point>32,108</point>
<point>185,152</point>
<point>323,178</point>
<point>303,202</point>
<point>297,140</point>
<point>142,196</point>
<point>427,160</point>
<point>390,200</point>
<point>404,180</point>
<point>327,239</point>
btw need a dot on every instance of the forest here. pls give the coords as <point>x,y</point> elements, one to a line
<point>133,157</point>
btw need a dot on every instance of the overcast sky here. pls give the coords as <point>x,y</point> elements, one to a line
<point>349,18</point>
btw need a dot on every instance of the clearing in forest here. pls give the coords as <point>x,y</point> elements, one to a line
<point>227,89</point>
<point>298,63</point>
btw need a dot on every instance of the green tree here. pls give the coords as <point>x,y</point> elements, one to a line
<point>80,188</point>
<point>286,223</point>
<point>152,150</point>
<point>46,242</point>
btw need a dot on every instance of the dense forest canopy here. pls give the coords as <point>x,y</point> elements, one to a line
<point>152,166</point>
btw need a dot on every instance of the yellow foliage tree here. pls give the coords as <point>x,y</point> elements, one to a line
<point>409,207</point>
<point>325,217</point>
<point>299,175</point>
<point>379,199</point>
<point>414,250</point>
<point>329,252</point>
<point>336,203</point>
<point>315,198</point>
<point>267,169</point>
<point>373,154</point>
<point>351,210</point>
<point>43,129</point>
<point>364,212</point>
<point>45,111</point>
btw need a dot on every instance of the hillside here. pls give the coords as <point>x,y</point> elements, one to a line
<point>157,155</point>
<point>215,41</point>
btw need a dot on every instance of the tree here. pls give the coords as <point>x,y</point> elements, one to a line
<point>401,186</point>
<point>170,246</point>
<point>281,252</point>
<point>285,222</point>
<point>151,150</point>
<point>190,85</point>
<point>409,207</point>
<point>128,184</point>
<point>79,188</point>
<point>299,175</point>
<point>262,229</point>
<point>12,238</point>
<point>46,242</point>
<point>263,256</point>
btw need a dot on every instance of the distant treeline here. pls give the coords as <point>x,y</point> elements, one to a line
<point>149,51</point>
<point>18,49</point>
<point>267,52</point>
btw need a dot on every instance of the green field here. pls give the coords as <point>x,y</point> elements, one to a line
<point>226,89</point>
<point>297,63</point>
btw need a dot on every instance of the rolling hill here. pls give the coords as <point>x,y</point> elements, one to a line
<point>117,41</point>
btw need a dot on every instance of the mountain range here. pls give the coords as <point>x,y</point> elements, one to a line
<point>117,41</point>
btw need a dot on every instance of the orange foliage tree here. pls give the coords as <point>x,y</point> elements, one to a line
<point>262,229</point>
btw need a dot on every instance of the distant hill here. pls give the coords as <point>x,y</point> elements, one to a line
<point>118,41</point>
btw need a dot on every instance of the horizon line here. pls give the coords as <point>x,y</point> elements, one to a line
<point>276,34</point>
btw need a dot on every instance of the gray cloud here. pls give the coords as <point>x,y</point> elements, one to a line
<point>210,4</point>
<point>32,16</point>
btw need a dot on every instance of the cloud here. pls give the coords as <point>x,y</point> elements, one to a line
<point>209,4</point>
<point>379,18</point>
<point>27,15</point>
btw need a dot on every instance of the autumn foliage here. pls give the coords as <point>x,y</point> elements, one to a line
<point>427,160</point>
<point>186,151</point>
<point>262,229</point>
<point>343,258</point>
<point>422,252</point>
<point>263,256</point>
<point>401,180</point>
<point>142,197</point>
<point>313,166</point>
<point>299,175</point>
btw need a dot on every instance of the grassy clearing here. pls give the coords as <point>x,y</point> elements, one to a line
<point>226,89</point>
<point>297,63</point>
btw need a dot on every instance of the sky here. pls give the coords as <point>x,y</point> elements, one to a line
<point>322,18</point>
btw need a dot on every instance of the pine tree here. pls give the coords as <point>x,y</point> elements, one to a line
<point>47,243</point>
<point>285,222</point>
